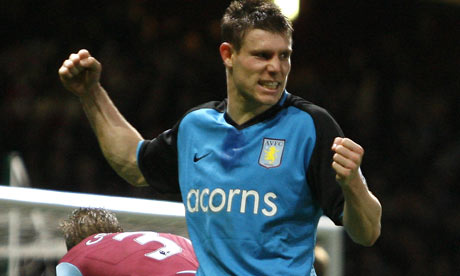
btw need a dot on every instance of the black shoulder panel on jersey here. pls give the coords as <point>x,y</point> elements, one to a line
<point>216,105</point>
<point>320,174</point>
<point>157,158</point>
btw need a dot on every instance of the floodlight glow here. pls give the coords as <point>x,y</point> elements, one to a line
<point>290,8</point>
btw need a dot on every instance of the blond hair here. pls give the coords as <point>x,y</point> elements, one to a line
<point>84,222</point>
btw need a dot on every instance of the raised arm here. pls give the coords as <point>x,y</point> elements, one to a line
<point>362,210</point>
<point>80,74</point>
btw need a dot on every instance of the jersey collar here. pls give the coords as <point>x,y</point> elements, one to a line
<point>269,113</point>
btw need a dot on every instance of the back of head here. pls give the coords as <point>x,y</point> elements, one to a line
<point>244,15</point>
<point>84,222</point>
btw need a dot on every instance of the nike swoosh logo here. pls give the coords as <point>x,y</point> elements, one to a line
<point>197,158</point>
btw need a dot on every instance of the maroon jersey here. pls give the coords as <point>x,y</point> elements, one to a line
<point>133,253</point>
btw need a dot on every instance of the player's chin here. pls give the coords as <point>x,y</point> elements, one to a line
<point>270,98</point>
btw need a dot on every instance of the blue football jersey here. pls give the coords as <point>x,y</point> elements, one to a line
<point>253,193</point>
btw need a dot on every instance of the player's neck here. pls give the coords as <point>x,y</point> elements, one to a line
<point>241,106</point>
<point>241,111</point>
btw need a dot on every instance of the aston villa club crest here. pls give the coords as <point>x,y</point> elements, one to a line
<point>271,153</point>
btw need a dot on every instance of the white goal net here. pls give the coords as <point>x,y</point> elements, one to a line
<point>31,243</point>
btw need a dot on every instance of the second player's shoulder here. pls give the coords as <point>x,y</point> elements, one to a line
<point>67,269</point>
<point>180,240</point>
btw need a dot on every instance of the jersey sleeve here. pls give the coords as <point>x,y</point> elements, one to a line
<point>67,269</point>
<point>320,174</point>
<point>157,160</point>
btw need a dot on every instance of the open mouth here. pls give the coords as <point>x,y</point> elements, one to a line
<point>270,84</point>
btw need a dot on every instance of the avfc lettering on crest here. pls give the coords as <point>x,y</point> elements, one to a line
<point>271,153</point>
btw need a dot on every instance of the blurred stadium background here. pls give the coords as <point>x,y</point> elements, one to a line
<point>387,70</point>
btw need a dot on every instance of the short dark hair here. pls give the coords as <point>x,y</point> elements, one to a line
<point>244,15</point>
<point>84,222</point>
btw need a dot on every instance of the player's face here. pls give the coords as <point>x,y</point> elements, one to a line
<point>261,68</point>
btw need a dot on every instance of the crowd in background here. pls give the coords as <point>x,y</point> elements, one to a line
<point>388,71</point>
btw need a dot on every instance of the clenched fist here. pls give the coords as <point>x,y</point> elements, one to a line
<point>347,160</point>
<point>80,73</point>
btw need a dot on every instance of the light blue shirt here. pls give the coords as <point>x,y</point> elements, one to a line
<point>253,193</point>
<point>67,269</point>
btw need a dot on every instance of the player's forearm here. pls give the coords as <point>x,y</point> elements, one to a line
<point>117,138</point>
<point>362,214</point>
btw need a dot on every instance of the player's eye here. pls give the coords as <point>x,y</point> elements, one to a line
<point>262,55</point>
<point>285,55</point>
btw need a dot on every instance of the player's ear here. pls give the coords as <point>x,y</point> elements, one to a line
<point>226,51</point>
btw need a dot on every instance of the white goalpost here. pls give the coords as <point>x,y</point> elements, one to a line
<point>29,220</point>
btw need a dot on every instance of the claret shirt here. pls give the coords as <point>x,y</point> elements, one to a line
<point>130,253</point>
<point>253,193</point>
